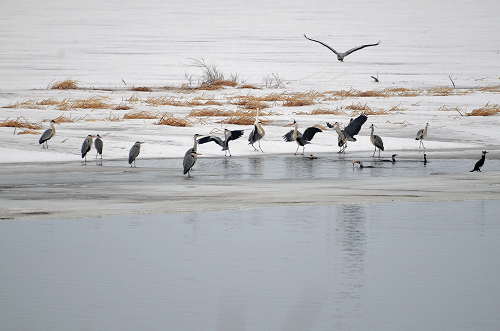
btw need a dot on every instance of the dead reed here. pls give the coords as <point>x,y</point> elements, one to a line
<point>209,112</point>
<point>142,89</point>
<point>143,115</point>
<point>67,84</point>
<point>95,102</point>
<point>487,110</point>
<point>171,120</point>
<point>21,122</point>
<point>492,89</point>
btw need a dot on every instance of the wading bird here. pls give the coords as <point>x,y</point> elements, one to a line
<point>228,136</point>
<point>480,163</point>
<point>421,135</point>
<point>191,156</point>
<point>340,55</point>
<point>299,138</point>
<point>134,152</point>
<point>349,131</point>
<point>256,135</point>
<point>376,141</point>
<point>98,145</point>
<point>86,146</point>
<point>49,133</point>
<point>361,166</point>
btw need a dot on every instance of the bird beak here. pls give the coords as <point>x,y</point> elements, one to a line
<point>198,154</point>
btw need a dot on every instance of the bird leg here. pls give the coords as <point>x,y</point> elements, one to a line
<point>260,147</point>
<point>297,149</point>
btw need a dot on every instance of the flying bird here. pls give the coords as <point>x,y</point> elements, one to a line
<point>49,133</point>
<point>98,145</point>
<point>86,146</point>
<point>299,138</point>
<point>421,135</point>
<point>349,131</point>
<point>256,135</point>
<point>228,136</point>
<point>340,55</point>
<point>479,164</point>
<point>134,152</point>
<point>376,141</point>
<point>191,156</point>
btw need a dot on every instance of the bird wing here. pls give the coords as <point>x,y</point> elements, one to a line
<point>254,135</point>
<point>420,134</point>
<point>323,44</point>
<point>378,142</point>
<point>330,125</point>
<point>358,48</point>
<point>354,126</point>
<point>45,135</point>
<point>235,134</point>
<point>215,139</point>
<point>310,132</point>
<point>98,145</point>
<point>134,152</point>
<point>189,160</point>
<point>85,147</point>
<point>288,137</point>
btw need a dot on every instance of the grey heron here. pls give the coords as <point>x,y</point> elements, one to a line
<point>47,134</point>
<point>340,55</point>
<point>479,164</point>
<point>98,145</point>
<point>349,131</point>
<point>228,136</point>
<point>376,141</point>
<point>421,135</point>
<point>191,156</point>
<point>134,152</point>
<point>361,166</point>
<point>86,146</point>
<point>256,135</point>
<point>299,138</point>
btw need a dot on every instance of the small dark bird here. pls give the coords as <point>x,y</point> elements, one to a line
<point>425,159</point>
<point>134,152</point>
<point>480,163</point>
<point>312,157</point>
<point>376,141</point>
<point>299,138</point>
<point>340,55</point>
<point>361,166</point>
<point>228,136</point>
<point>86,146</point>
<point>191,156</point>
<point>393,159</point>
<point>98,145</point>
<point>421,135</point>
<point>47,134</point>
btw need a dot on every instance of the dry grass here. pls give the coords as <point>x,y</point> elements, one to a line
<point>29,132</point>
<point>67,84</point>
<point>250,103</point>
<point>492,89</point>
<point>30,104</point>
<point>64,119</point>
<point>217,85</point>
<point>169,101</point>
<point>21,122</point>
<point>397,108</point>
<point>142,89</point>
<point>241,117</point>
<point>249,86</point>
<point>171,120</point>
<point>112,118</point>
<point>95,102</point>
<point>143,115</point>
<point>321,111</point>
<point>209,112</point>
<point>122,106</point>
<point>487,110</point>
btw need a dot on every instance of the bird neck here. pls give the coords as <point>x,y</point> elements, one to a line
<point>195,146</point>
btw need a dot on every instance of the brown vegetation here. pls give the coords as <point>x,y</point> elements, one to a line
<point>487,110</point>
<point>171,120</point>
<point>21,122</point>
<point>67,84</point>
<point>141,115</point>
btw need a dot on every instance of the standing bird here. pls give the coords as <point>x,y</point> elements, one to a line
<point>299,138</point>
<point>421,135</point>
<point>341,56</point>
<point>349,131</point>
<point>98,146</point>
<point>86,146</point>
<point>191,156</point>
<point>49,133</point>
<point>228,136</point>
<point>480,163</point>
<point>134,152</point>
<point>376,141</point>
<point>256,135</point>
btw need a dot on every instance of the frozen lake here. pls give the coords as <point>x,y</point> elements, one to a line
<point>406,266</point>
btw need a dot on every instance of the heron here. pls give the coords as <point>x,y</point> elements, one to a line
<point>98,145</point>
<point>256,135</point>
<point>421,135</point>
<point>479,164</point>
<point>134,152</point>
<point>299,138</point>
<point>86,147</point>
<point>49,133</point>
<point>340,55</point>
<point>191,156</point>
<point>376,141</point>
<point>361,166</point>
<point>349,131</point>
<point>228,136</point>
